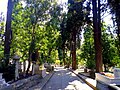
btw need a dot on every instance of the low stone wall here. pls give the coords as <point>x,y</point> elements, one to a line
<point>24,84</point>
<point>27,83</point>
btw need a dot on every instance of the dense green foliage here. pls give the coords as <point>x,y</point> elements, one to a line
<point>34,28</point>
<point>88,53</point>
<point>1,34</point>
<point>109,50</point>
<point>41,27</point>
<point>114,6</point>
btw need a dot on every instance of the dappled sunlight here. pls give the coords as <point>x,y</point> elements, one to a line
<point>76,85</point>
<point>56,70</point>
<point>63,79</point>
<point>68,73</point>
<point>59,68</point>
<point>73,74</point>
<point>69,87</point>
<point>58,74</point>
<point>59,43</point>
<point>49,87</point>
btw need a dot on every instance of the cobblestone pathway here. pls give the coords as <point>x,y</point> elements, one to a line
<point>65,80</point>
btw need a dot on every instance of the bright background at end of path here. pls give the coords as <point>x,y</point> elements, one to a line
<point>3,5</point>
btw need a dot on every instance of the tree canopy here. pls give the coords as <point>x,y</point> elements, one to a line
<point>40,31</point>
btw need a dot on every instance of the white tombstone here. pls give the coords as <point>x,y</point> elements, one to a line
<point>116,73</point>
<point>16,58</point>
<point>33,68</point>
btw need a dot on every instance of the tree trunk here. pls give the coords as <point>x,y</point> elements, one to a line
<point>118,25</point>
<point>8,32</point>
<point>29,59</point>
<point>74,51</point>
<point>64,56</point>
<point>70,49</point>
<point>97,36</point>
<point>37,55</point>
<point>79,41</point>
<point>32,48</point>
<point>24,67</point>
<point>106,68</point>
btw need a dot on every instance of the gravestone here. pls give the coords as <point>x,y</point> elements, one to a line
<point>33,68</point>
<point>16,58</point>
<point>41,71</point>
<point>2,82</point>
<point>116,73</point>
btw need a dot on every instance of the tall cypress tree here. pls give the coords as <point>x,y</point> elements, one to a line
<point>97,35</point>
<point>115,9</point>
<point>8,34</point>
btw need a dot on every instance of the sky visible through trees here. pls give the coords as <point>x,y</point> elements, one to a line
<point>3,8</point>
<point>106,18</point>
<point>73,32</point>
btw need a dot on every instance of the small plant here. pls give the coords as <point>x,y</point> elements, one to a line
<point>90,64</point>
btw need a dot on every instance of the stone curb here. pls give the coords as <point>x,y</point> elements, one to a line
<point>30,83</point>
<point>23,84</point>
<point>43,82</point>
<point>47,79</point>
<point>89,84</point>
<point>109,87</point>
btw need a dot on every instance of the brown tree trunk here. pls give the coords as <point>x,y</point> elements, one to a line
<point>31,49</point>
<point>97,36</point>
<point>70,49</point>
<point>74,51</point>
<point>78,41</point>
<point>64,56</point>
<point>118,25</point>
<point>37,55</point>
<point>8,31</point>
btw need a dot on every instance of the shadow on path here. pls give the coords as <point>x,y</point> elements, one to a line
<point>63,79</point>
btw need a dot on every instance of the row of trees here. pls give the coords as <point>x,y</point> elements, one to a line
<point>78,19</point>
<point>110,56</point>
<point>32,31</point>
<point>41,28</point>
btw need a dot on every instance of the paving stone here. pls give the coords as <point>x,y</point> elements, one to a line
<point>64,79</point>
<point>42,83</point>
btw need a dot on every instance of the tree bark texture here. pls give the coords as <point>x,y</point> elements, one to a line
<point>118,25</point>
<point>8,32</point>
<point>74,50</point>
<point>97,35</point>
<point>64,56</point>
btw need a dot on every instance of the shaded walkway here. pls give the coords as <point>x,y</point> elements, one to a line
<point>65,80</point>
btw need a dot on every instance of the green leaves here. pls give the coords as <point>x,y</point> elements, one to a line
<point>109,48</point>
<point>35,27</point>
<point>88,52</point>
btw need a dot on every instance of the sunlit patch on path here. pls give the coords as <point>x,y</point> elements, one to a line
<point>63,79</point>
